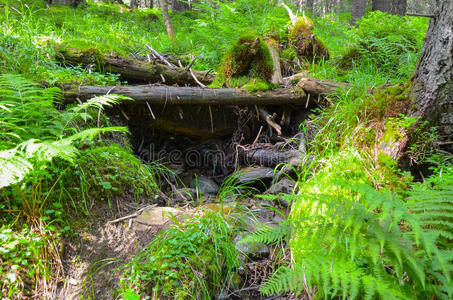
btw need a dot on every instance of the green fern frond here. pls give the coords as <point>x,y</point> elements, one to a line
<point>270,234</point>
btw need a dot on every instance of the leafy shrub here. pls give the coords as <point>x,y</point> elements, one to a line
<point>391,43</point>
<point>350,240</point>
<point>23,260</point>
<point>36,147</point>
<point>106,171</point>
<point>192,259</point>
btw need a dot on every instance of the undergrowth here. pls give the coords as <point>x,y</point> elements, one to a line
<point>39,146</point>
<point>194,258</point>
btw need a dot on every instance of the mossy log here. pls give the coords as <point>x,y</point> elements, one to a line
<point>162,95</point>
<point>131,69</point>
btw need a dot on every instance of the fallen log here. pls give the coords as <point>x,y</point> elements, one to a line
<point>321,87</point>
<point>162,95</point>
<point>132,70</point>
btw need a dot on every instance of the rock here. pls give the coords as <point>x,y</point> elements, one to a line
<point>252,174</point>
<point>183,196</point>
<point>204,185</point>
<point>284,186</point>
<point>250,250</point>
<point>156,216</point>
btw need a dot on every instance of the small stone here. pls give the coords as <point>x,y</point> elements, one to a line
<point>250,250</point>
<point>72,281</point>
<point>157,216</point>
<point>284,186</point>
<point>204,185</point>
<point>183,196</point>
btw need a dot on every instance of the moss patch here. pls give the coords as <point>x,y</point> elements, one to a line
<point>247,63</point>
<point>308,46</point>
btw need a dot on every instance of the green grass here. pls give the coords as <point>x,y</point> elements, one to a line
<point>194,258</point>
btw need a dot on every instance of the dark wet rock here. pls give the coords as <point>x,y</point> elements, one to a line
<point>256,175</point>
<point>284,186</point>
<point>204,185</point>
<point>250,250</point>
<point>183,196</point>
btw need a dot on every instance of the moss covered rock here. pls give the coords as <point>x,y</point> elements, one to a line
<point>307,45</point>
<point>247,62</point>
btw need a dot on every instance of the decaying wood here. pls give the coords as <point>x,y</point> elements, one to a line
<point>162,95</point>
<point>277,73</point>
<point>270,120</point>
<point>321,87</point>
<point>131,69</point>
<point>269,158</point>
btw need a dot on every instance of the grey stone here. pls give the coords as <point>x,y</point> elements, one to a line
<point>251,174</point>
<point>250,250</point>
<point>204,185</point>
<point>284,186</point>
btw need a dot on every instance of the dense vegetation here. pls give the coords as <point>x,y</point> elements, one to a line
<point>359,225</point>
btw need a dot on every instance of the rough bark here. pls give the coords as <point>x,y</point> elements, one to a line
<point>167,20</point>
<point>382,5</point>
<point>358,10</point>
<point>399,7</point>
<point>73,3</point>
<point>310,5</point>
<point>162,95</point>
<point>321,87</point>
<point>180,5</point>
<point>133,70</point>
<point>433,79</point>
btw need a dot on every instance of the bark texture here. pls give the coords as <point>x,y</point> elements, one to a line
<point>433,79</point>
<point>180,5</point>
<point>162,95</point>
<point>382,5</point>
<point>399,7</point>
<point>167,20</point>
<point>132,69</point>
<point>310,5</point>
<point>358,10</point>
<point>73,3</point>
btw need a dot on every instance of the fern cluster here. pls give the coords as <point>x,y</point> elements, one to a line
<point>33,132</point>
<point>350,240</point>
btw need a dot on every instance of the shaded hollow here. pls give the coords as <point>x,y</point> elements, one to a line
<point>206,140</point>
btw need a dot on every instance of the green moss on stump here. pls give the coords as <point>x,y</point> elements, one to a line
<point>308,46</point>
<point>248,64</point>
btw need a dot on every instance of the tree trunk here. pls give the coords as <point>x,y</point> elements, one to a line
<point>180,5</point>
<point>133,70</point>
<point>358,10</point>
<point>433,79</point>
<point>310,5</point>
<point>382,5</point>
<point>167,20</point>
<point>73,3</point>
<point>399,7</point>
<point>163,95</point>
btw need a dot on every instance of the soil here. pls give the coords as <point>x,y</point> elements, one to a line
<point>91,258</point>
